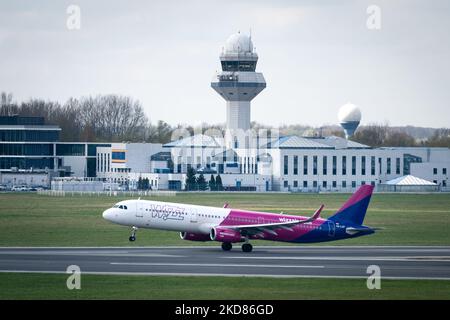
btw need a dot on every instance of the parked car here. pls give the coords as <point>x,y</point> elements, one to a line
<point>19,188</point>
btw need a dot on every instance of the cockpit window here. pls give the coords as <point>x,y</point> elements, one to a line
<point>120,207</point>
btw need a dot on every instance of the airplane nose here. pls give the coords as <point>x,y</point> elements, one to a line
<point>107,214</point>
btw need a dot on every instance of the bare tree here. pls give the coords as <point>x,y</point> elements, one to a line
<point>7,107</point>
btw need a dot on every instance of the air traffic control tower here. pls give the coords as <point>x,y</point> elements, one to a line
<point>238,83</point>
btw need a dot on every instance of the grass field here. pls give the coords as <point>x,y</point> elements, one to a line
<point>28,219</point>
<point>53,286</point>
<point>32,220</point>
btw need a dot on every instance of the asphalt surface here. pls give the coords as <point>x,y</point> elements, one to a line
<point>285,261</point>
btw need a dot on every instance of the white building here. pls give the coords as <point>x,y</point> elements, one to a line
<point>116,162</point>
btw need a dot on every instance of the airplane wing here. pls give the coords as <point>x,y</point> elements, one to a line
<point>252,229</point>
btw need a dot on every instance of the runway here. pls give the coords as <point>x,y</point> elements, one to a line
<point>395,262</point>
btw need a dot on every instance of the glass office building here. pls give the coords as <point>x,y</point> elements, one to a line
<point>27,143</point>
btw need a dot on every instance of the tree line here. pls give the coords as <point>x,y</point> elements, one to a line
<point>116,118</point>
<point>110,118</point>
<point>377,135</point>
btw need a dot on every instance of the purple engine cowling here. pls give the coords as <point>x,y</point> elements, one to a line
<point>225,235</point>
<point>194,236</point>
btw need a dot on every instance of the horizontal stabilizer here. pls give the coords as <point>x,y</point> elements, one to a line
<point>354,230</point>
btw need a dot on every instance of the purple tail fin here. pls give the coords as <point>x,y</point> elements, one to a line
<point>354,210</point>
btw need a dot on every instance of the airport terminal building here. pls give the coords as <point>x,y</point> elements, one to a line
<point>31,153</point>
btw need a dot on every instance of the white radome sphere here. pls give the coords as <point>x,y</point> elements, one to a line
<point>239,43</point>
<point>349,113</point>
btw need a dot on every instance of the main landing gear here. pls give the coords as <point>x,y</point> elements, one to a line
<point>246,247</point>
<point>226,246</point>
<point>133,234</point>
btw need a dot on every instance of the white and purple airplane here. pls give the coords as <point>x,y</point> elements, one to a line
<point>228,226</point>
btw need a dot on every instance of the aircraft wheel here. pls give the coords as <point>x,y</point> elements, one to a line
<point>247,247</point>
<point>226,246</point>
<point>132,238</point>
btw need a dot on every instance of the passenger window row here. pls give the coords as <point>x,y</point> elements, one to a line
<point>208,215</point>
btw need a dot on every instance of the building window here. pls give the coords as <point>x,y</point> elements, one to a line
<point>372,183</point>
<point>444,171</point>
<point>353,184</point>
<point>372,166</point>
<point>334,165</point>
<point>353,165</point>
<point>388,165</point>
<point>305,165</point>
<point>334,184</point>
<point>70,150</point>
<point>295,165</point>
<point>397,166</point>
<point>12,149</point>
<point>363,183</point>
<point>314,165</point>
<point>444,183</point>
<point>286,184</point>
<point>29,135</point>
<point>380,161</point>
<point>344,165</point>
<point>118,156</point>
<point>295,184</point>
<point>314,184</point>
<point>324,184</point>
<point>344,184</point>
<point>363,165</point>
<point>434,170</point>
<point>324,164</point>
<point>408,159</point>
<point>286,165</point>
<point>305,184</point>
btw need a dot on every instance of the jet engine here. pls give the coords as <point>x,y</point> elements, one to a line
<point>194,236</point>
<point>225,235</point>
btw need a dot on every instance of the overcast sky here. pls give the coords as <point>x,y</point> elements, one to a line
<point>315,56</point>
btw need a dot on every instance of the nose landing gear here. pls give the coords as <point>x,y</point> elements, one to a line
<point>133,234</point>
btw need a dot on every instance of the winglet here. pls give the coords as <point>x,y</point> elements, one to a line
<point>225,205</point>
<point>316,214</point>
